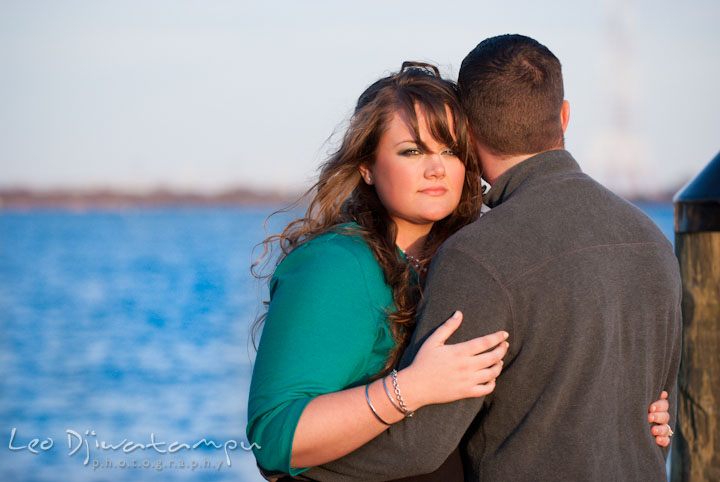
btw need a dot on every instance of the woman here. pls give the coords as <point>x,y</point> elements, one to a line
<point>344,294</point>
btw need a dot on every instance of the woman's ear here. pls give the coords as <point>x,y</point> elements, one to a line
<point>366,174</point>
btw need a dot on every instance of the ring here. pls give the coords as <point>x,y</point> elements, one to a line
<point>670,431</point>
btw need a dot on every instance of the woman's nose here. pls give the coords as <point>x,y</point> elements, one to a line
<point>435,166</point>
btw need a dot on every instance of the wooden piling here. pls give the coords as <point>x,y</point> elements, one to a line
<point>696,444</point>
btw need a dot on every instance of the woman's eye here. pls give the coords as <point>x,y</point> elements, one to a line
<point>410,152</point>
<point>450,152</point>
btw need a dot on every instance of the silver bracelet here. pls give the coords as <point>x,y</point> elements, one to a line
<point>391,398</point>
<point>408,413</point>
<point>367,397</point>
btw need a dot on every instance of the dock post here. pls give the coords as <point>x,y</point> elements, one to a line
<point>696,444</point>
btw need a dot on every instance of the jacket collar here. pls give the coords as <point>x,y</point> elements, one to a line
<point>531,170</point>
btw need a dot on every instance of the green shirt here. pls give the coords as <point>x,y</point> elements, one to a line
<point>325,331</point>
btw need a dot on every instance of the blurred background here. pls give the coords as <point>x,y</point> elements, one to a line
<point>143,144</point>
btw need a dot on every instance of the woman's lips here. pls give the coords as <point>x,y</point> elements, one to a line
<point>434,191</point>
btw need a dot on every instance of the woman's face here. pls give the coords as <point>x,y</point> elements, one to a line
<point>417,186</point>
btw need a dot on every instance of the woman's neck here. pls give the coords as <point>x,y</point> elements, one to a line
<point>410,238</point>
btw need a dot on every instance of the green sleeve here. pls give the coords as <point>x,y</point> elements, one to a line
<point>322,324</point>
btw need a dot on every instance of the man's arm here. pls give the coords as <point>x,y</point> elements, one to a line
<point>420,444</point>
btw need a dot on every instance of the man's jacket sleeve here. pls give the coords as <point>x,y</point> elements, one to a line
<point>420,444</point>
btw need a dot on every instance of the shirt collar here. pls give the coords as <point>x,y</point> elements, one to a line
<point>540,166</point>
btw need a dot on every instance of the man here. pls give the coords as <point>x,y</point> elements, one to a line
<point>586,285</point>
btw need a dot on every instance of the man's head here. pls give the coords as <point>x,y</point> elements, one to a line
<point>512,90</point>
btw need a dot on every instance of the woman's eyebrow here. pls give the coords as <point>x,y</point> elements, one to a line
<point>412,141</point>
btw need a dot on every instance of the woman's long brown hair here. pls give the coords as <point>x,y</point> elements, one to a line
<point>340,195</point>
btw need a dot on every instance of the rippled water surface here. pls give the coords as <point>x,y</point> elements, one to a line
<point>118,325</point>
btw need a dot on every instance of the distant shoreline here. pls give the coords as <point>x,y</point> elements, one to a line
<point>84,199</point>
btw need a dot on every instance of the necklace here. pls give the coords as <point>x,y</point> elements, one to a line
<point>414,262</point>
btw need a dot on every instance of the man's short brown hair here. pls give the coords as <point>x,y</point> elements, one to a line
<point>512,90</point>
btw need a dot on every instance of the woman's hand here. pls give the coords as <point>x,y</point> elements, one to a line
<point>659,416</point>
<point>444,373</point>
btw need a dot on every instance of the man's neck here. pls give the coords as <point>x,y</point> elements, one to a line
<point>495,165</point>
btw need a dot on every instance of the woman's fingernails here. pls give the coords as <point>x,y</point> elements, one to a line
<point>505,334</point>
<point>456,314</point>
<point>652,418</point>
<point>507,345</point>
<point>652,408</point>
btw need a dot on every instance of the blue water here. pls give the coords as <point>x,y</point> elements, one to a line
<point>118,325</point>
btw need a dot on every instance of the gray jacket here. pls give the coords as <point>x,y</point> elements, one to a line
<point>589,290</point>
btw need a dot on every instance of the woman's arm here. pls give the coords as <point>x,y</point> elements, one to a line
<point>325,331</point>
<point>335,424</point>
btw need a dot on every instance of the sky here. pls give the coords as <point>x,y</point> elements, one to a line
<point>210,95</point>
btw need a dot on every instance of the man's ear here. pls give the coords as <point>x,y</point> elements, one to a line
<point>474,142</point>
<point>366,174</point>
<point>565,114</point>
<point>471,134</point>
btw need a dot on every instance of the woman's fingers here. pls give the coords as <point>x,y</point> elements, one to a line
<point>662,434</point>
<point>474,346</point>
<point>662,441</point>
<point>443,332</point>
<point>659,406</point>
<point>447,372</point>
<point>659,417</point>
<point>659,410</point>
<point>661,430</point>
<point>484,343</point>
<point>488,374</point>
<point>489,358</point>
<point>483,389</point>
